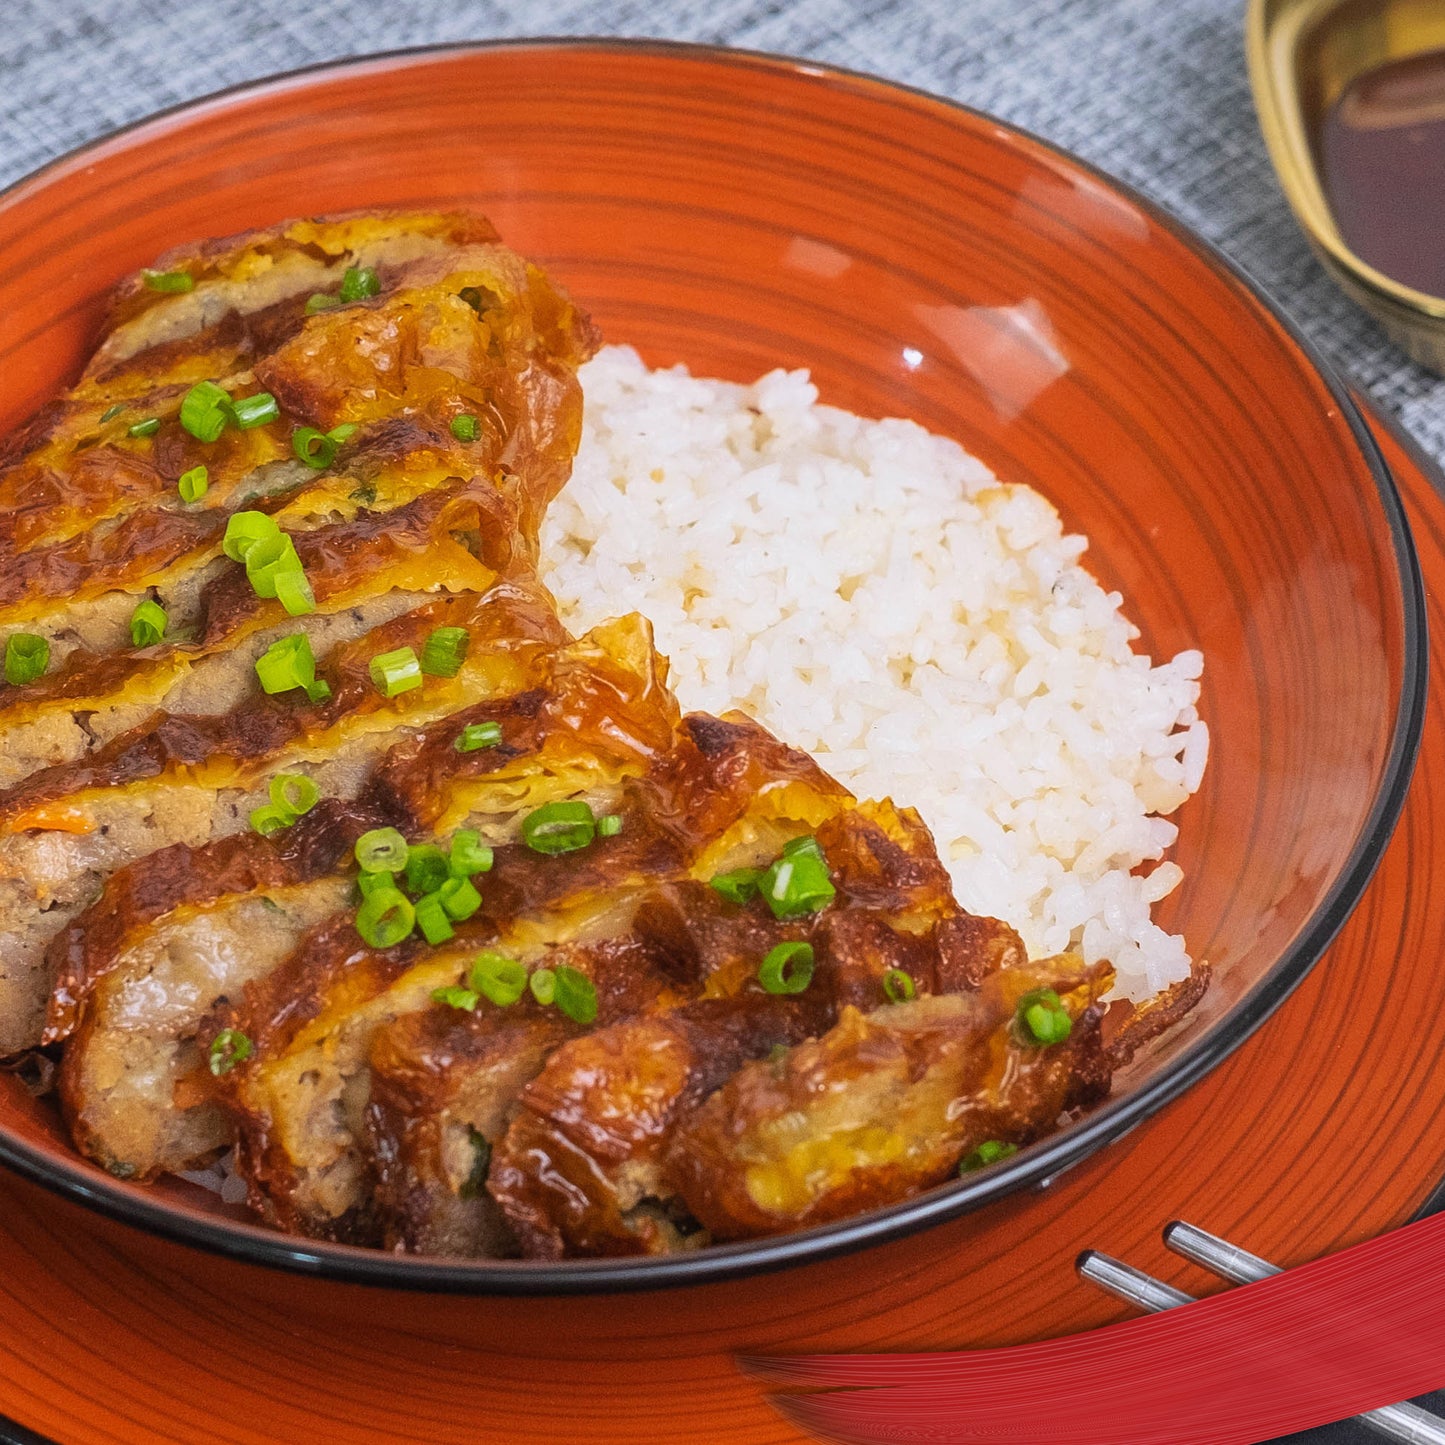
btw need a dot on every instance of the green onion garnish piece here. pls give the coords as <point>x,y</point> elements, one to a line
<point>798,882</point>
<point>147,428</point>
<point>574,994</point>
<point>469,855</point>
<point>465,428</point>
<point>258,410</point>
<point>476,1181</point>
<point>1043,1019</point>
<point>318,690</point>
<point>294,592</point>
<point>271,818</point>
<point>206,411</point>
<point>459,898</point>
<point>320,301</point>
<point>27,655</point>
<point>358,283</point>
<point>609,825</point>
<point>543,984</point>
<point>111,412</point>
<point>382,850</point>
<point>788,968</point>
<point>370,883</point>
<point>432,919</point>
<point>427,868</point>
<point>445,650</point>
<point>294,792</point>
<point>314,447</point>
<point>478,735</point>
<point>339,434</point>
<point>266,558</point>
<point>898,986</point>
<point>561,827</point>
<point>496,977</point>
<point>395,672</point>
<point>147,624</point>
<point>455,996</point>
<point>989,1152</point>
<point>287,663</point>
<point>229,1048</point>
<point>385,918</point>
<point>169,280</point>
<point>244,530</point>
<point>194,484</point>
<point>739,885</point>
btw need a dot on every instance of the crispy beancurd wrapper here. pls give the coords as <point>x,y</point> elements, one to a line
<point>886,1104</point>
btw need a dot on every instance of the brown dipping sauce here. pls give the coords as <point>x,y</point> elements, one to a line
<point>1382,161</point>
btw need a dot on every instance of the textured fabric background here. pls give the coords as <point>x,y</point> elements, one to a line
<point>1153,91</point>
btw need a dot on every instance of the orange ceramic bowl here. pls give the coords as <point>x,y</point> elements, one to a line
<point>738,212</point>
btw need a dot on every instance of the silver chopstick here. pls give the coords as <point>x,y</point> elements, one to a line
<point>1406,1423</point>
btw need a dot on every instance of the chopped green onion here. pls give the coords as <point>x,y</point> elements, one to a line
<point>27,655</point>
<point>445,650</point>
<point>339,434</point>
<point>370,883</point>
<point>469,855</point>
<point>989,1152</point>
<point>111,412</point>
<point>287,663</point>
<point>454,996</point>
<point>898,986</point>
<point>798,882</point>
<point>271,818</point>
<point>266,558</point>
<point>318,690</point>
<point>543,984</point>
<point>294,592</point>
<point>382,850</point>
<point>169,280</point>
<point>320,301</point>
<point>501,979</point>
<point>561,827</point>
<point>1043,1019</point>
<point>476,1181</point>
<point>575,994</point>
<point>258,410</point>
<point>314,447</point>
<point>609,825</point>
<point>147,428</point>
<point>478,735</point>
<point>147,624</point>
<point>427,868</point>
<point>244,530</point>
<point>385,918</point>
<point>206,411</point>
<point>294,792</point>
<point>358,283</point>
<point>432,919</point>
<point>465,428</point>
<point>194,484</point>
<point>395,672</point>
<point>739,885</point>
<point>788,968</point>
<point>229,1048</point>
<point>460,898</point>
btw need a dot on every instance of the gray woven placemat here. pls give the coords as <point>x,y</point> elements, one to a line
<point>1153,91</point>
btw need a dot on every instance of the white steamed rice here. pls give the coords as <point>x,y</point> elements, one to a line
<point>873,594</point>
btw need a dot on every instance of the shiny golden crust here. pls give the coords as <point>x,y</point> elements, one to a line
<point>376,1102</point>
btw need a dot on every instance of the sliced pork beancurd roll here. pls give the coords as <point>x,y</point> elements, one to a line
<point>888,1103</point>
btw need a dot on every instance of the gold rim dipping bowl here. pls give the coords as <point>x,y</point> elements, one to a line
<point>1302,55</point>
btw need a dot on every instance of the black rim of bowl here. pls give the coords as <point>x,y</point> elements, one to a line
<point>1041,1162</point>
